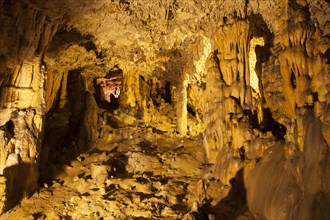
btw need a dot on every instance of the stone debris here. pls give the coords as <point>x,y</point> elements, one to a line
<point>136,180</point>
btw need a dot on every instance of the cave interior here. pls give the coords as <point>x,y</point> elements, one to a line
<point>177,109</point>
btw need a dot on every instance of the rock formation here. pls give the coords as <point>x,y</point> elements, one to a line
<point>109,86</point>
<point>223,112</point>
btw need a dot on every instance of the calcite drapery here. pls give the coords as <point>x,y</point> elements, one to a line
<point>109,86</point>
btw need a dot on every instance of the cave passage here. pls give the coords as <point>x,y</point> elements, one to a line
<point>175,109</point>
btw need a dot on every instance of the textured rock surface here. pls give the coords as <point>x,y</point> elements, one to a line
<point>248,81</point>
<point>149,176</point>
<point>26,29</point>
<point>109,87</point>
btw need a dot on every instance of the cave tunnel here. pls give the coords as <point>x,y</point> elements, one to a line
<point>164,110</point>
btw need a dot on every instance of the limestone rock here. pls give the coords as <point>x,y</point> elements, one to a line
<point>100,173</point>
<point>109,86</point>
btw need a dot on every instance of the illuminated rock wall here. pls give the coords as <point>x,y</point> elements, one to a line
<point>298,165</point>
<point>25,32</point>
<point>280,138</point>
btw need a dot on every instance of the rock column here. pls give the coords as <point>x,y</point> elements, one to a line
<point>181,109</point>
<point>22,106</point>
<point>25,32</point>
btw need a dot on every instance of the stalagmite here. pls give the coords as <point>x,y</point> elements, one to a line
<point>181,102</point>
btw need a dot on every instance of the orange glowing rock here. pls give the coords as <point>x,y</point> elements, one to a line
<point>109,86</point>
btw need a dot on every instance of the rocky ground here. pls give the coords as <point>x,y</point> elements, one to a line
<point>150,176</point>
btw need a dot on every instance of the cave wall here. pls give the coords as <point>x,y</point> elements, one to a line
<point>26,30</point>
<point>302,160</point>
<point>282,145</point>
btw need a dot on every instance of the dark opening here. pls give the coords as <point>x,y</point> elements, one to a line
<point>157,94</point>
<point>63,126</point>
<point>293,80</point>
<point>241,152</point>
<point>269,124</point>
<point>259,28</point>
<point>170,14</point>
<point>88,45</point>
<point>191,110</point>
<point>167,97</point>
<point>9,127</point>
<point>76,96</point>
<point>262,54</point>
<point>114,103</point>
<point>217,61</point>
<point>225,19</point>
<point>253,118</point>
<point>315,96</point>
<point>39,215</point>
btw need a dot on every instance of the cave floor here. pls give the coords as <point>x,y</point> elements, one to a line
<point>151,176</point>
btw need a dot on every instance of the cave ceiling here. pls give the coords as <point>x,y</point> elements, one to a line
<point>148,33</point>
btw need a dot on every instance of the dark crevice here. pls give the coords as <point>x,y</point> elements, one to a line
<point>263,53</point>
<point>241,152</point>
<point>118,163</point>
<point>217,61</point>
<point>293,80</point>
<point>315,96</point>
<point>269,124</point>
<point>259,28</point>
<point>88,45</point>
<point>168,98</point>
<point>9,127</point>
<point>116,70</point>
<point>76,96</point>
<point>237,100</point>
<point>158,93</point>
<point>327,56</point>
<point>191,110</point>
<point>253,118</point>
